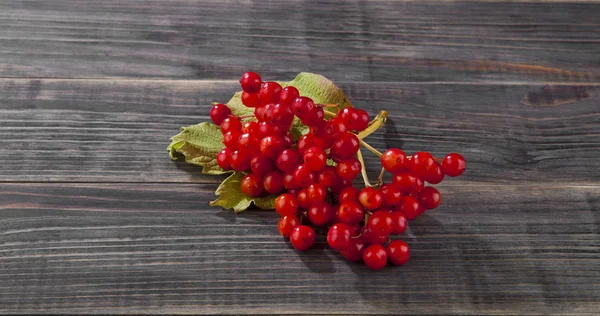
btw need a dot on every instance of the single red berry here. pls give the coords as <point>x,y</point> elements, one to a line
<point>349,116</point>
<point>288,181</point>
<point>421,163</point>
<point>302,107</point>
<point>320,213</point>
<point>271,146</point>
<point>269,92</point>
<point>219,112</point>
<point>348,168</point>
<point>407,182</point>
<point>251,185</point>
<point>370,237</point>
<point>430,198</point>
<point>231,123</point>
<point>350,212</point>
<point>286,225</point>
<point>335,127</point>
<point>394,160</point>
<point>303,200</point>
<point>362,120</point>
<point>380,222</point>
<point>261,165</point>
<point>308,141</point>
<point>281,115</point>
<point>316,193</point>
<point>286,204</point>
<point>370,198</point>
<point>345,146</point>
<point>260,112</point>
<point>288,140</point>
<point>250,82</point>
<point>315,158</point>
<point>353,252</point>
<point>398,252</point>
<point>375,257</point>
<point>435,174</point>
<point>454,164</point>
<point>338,236</point>
<point>303,176</point>
<point>399,223</point>
<point>249,143</point>
<point>349,194</point>
<point>302,237</point>
<point>266,129</point>
<point>250,127</point>
<point>250,100</point>
<point>391,195</point>
<point>230,139</point>
<point>327,177</point>
<point>314,117</point>
<point>273,182</point>
<point>223,159</point>
<point>288,95</point>
<point>410,207</point>
<point>288,160</point>
<point>239,161</point>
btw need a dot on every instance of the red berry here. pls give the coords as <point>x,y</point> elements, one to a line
<point>302,237</point>
<point>261,165</point>
<point>303,201</point>
<point>231,123</point>
<point>288,95</point>
<point>345,146</point>
<point>391,195</point>
<point>281,115</point>
<point>398,252</point>
<point>303,176</point>
<point>375,257</point>
<point>239,161</point>
<point>353,252</point>
<point>394,160</point>
<point>286,225</point>
<point>288,160</point>
<point>288,181</point>
<point>410,207</point>
<point>249,143</point>
<point>316,193</point>
<point>335,127</point>
<point>370,198</point>
<point>269,92</point>
<point>219,112</point>
<point>302,107</point>
<point>349,116</point>
<point>350,212</point>
<point>250,82</point>
<point>399,223</point>
<point>315,158</point>
<point>314,117</point>
<point>273,182</point>
<point>370,237</point>
<point>380,222</point>
<point>430,198</point>
<point>260,112</point>
<point>348,169</point>
<point>250,127</point>
<point>362,120</point>
<point>223,159</point>
<point>265,129</point>
<point>421,162</point>
<point>288,140</point>
<point>286,204</point>
<point>251,185</point>
<point>327,177</point>
<point>308,141</point>
<point>435,174</point>
<point>407,182</point>
<point>320,213</point>
<point>250,100</point>
<point>348,194</point>
<point>230,139</point>
<point>271,146</point>
<point>338,236</point>
<point>454,164</point>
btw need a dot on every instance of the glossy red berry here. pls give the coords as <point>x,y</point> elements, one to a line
<point>271,146</point>
<point>261,165</point>
<point>338,236</point>
<point>309,140</point>
<point>350,212</point>
<point>219,112</point>
<point>348,169</point>
<point>349,116</point>
<point>281,115</point>
<point>380,222</point>
<point>410,207</point>
<point>391,195</point>
<point>335,127</point>
<point>320,213</point>
<point>316,193</point>
<point>302,237</point>
<point>286,204</point>
<point>230,139</point>
<point>223,159</point>
<point>454,164</point>
<point>303,176</point>
<point>250,82</point>
<point>327,177</point>
<point>250,100</point>
<point>266,129</point>
<point>421,163</point>
<point>302,107</point>
<point>349,194</point>
<point>430,198</point>
<point>287,224</point>
<point>288,160</point>
<point>435,174</point>
<point>371,237</point>
<point>250,128</point>
<point>231,123</point>
<point>394,160</point>
<point>353,252</point>
<point>288,140</point>
<point>375,257</point>
<point>288,95</point>
<point>399,223</point>
<point>288,181</point>
<point>269,92</point>
<point>315,158</point>
<point>370,198</point>
<point>345,146</point>
<point>239,161</point>
<point>249,143</point>
<point>407,182</point>
<point>303,200</point>
<point>362,120</point>
<point>251,185</point>
<point>398,252</point>
<point>273,182</point>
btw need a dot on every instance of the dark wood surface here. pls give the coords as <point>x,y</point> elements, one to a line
<point>95,218</point>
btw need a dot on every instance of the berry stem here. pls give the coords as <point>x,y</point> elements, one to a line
<point>329,113</point>
<point>331,105</point>
<point>377,122</point>
<point>370,148</point>
<point>380,178</point>
<point>363,169</point>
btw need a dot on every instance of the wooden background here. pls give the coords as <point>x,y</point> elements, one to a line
<point>95,218</point>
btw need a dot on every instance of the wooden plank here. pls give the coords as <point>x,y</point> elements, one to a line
<point>117,130</point>
<point>363,41</point>
<point>496,249</point>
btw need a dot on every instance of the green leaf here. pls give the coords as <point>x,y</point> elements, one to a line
<point>232,197</point>
<point>199,144</point>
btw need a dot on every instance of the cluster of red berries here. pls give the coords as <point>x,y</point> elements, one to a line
<point>315,192</point>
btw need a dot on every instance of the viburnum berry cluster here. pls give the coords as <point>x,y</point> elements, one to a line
<point>313,175</point>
